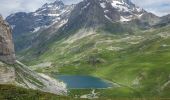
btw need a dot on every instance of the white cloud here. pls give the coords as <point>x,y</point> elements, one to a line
<point>71,1</point>
<point>11,6</point>
<point>159,7</point>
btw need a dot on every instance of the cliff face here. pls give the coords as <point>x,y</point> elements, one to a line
<point>14,72</point>
<point>7,53</point>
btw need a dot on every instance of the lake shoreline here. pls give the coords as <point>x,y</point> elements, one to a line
<point>84,82</point>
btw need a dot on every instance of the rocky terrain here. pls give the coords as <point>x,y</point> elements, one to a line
<point>26,27</point>
<point>7,53</point>
<point>16,73</point>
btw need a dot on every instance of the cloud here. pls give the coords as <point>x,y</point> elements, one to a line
<point>71,1</point>
<point>159,7</point>
<point>11,6</point>
<point>8,7</point>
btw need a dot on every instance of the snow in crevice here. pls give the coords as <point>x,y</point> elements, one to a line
<point>36,29</point>
<point>53,14</point>
<point>139,9</point>
<point>105,11</point>
<point>124,19</point>
<point>120,6</point>
<point>108,17</point>
<point>103,5</point>
<point>140,15</point>
<point>85,6</point>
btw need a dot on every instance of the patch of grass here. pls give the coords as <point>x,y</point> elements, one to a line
<point>9,92</point>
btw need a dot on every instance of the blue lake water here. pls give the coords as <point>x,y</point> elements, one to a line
<point>83,82</point>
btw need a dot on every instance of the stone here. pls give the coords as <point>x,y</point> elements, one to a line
<point>7,53</point>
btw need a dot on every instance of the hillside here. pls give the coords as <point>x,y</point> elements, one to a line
<point>138,61</point>
<point>111,39</point>
<point>10,92</point>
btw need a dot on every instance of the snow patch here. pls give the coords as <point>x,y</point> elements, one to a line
<point>103,5</point>
<point>123,19</point>
<point>108,18</point>
<point>121,6</point>
<point>106,11</point>
<point>53,15</point>
<point>85,6</point>
<point>36,29</point>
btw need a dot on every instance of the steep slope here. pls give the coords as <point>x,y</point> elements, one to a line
<point>43,17</point>
<point>102,13</point>
<point>7,53</point>
<point>165,20</point>
<point>27,26</point>
<point>14,72</point>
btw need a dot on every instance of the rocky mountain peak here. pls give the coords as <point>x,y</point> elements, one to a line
<point>57,3</point>
<point>34,22</point>
<point>94,13</point>
<point>7,53</point>
<point>52,8</point>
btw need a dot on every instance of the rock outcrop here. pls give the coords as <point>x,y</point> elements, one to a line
<point>16,73</point>
<point>7,53</point>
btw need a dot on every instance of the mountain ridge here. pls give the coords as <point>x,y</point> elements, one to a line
<point>88,13</point>
<point>26,24</point>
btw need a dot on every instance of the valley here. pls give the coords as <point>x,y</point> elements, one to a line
<point>96,49</point>
<point>137,62</point>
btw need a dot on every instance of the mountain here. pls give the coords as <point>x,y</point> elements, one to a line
<point>102,13</point>
<point>41,18</point>
<point>112,16</point>
<point>16,73</point>
<point>165,20</point>
<point>97,12</point>
<point>56,20</point>
<point>111,39</point>
<point>28,24</point>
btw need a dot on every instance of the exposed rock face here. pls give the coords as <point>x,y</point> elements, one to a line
<point>7,53</point>
<point>105,13</point>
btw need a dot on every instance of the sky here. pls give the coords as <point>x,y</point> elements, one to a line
<point>7,7</point>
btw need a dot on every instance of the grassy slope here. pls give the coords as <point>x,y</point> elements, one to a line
<point>9,92</point>
<point>139,61</point>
